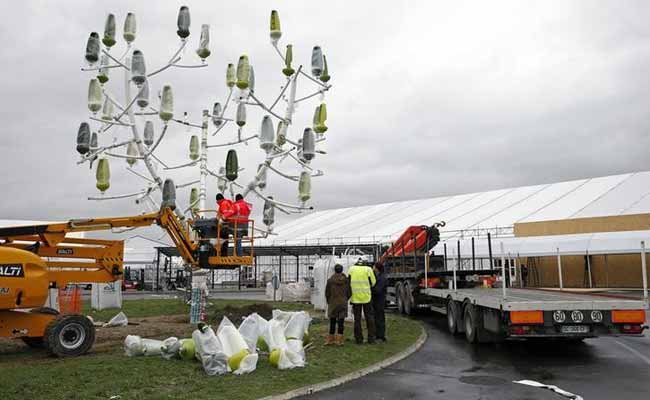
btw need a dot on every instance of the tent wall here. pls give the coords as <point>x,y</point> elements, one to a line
<point>617,223</point>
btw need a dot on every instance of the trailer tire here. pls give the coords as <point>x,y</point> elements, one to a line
<point>452,317</point>
<point>471,318</point>
<point>407,299</point>
<point>398,298</point>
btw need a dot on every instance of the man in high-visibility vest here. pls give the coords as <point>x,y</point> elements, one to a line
<point>361,280</point>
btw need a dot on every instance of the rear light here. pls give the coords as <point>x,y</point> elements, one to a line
<point>631,329</point>
<point>526,317</point>
<point>628,316</point>
<point>520,330</point>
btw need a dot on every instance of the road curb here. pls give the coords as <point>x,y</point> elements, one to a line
<point>318,387</point>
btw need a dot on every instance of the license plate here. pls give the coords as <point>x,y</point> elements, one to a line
<point>574,329</point>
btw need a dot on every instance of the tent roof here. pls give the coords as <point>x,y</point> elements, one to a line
<point>463,213</point>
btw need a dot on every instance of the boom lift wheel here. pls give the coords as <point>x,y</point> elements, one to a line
<point>399,298</point>
<point>69,335</point>
<point>37,342</point>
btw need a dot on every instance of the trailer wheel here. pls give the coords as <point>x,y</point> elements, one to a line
<point>407,299</point>
<point>69,335</point>
<point>452,316</point>
<point>472,323</point>
<point>398,297</point>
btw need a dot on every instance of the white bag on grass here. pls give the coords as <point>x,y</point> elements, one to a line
<point>137,346</point>
<point>170,347</point>
<point>210,351</point>
<point>250,331</point>
<point>118,320</point>
<point>240,360</point>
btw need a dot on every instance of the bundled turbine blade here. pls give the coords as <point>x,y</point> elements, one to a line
<point>166,104</point>
<point>325,75</point>
<point>194,148</point>
<point>230,76</point>
<point>243,70</point>
<point>103,175</point>
<point>320,116</point>
<point>276,32</point>
<point>92,48</point>
<point>183,22</point>
<point>316,61</point>
<point>304,186</point>
<point>261,177</point>
<point>107,110</point>
<point>138,68</point>
<point>129,28</point>
<point>132,153</point>
<point>281,137</point>
<point>268,213</point>
<point>148,133</point>
<point>241,114</point>
<point>267,136</point>
<point>194,199</point>
<point>216,115</point>
<point>222,182</point>
<point>109,31</point>
<point>83,138</point>
<point>232,165</point>
<point>143,95</point>
<point>94,96</point>
<point>169,194</point>
<point>308,145</point>
<point>204,43</point>
<point>102,75</point>
<point>251,80</point>
<point>288,59</point>
<point>94,142</point>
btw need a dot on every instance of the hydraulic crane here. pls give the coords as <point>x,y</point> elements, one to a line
<point>36,258</point>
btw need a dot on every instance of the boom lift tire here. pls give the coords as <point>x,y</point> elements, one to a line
<point>37,342</point>
<point>69,335</point>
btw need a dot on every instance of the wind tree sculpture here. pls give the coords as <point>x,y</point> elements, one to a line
<point>133,123</point>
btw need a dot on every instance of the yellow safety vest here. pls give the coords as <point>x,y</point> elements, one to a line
<point>361,279</point>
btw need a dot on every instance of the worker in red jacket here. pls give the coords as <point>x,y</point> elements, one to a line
<point>242,214</point>
<point>225,213</point>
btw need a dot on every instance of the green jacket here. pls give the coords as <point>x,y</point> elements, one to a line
<point>361,280</point>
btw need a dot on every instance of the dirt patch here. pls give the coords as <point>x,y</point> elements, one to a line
<point>237,313</point>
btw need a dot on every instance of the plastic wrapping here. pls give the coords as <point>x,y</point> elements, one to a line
<point>216,115</point>
<point>209,351</point>
<point>251,79</point>
<point>232,165</point>
<point>320,116</point>
<point>137,346</point>
<point>241,114</point>
<point>167,104</point>
<point>268,213</point>
<point>129,28</point>
<point>148,133</point>
<point>250,331</point>
<point>118,320</point>
<point>304,186</point>
<point>325,75</point>
<point>183,22</point>
<point>92,48</point>
<point>107,110</point>
<point>243,71</point>
<point>261,177</point>
<point>106,295</point>
<point>222,182</point>
<point>230,76</point>
<point>194,199</point>
<point>94,144</point>
<point>103,175</point>
<point>138,68</point>
<point>109,31</point>
<point>281,137</point>
<point>102,73</point>
<point>296,291</point>
<point>170,347</point>
<point>169,194</point>
<point>204,43</point>
<point>267,136</point>
<point>94,96</point>
<point>240,359</point>
<point>276,31</point>
<point>143,95</point>
<point>131,153</point>
<point>288,59</point>
<point>83,138</point>
<point>308,144</point>
<point>316,61</point>
<point>194,148</point>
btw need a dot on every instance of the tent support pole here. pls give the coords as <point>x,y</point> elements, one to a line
<point>559,268</point>
<point>503,271</point>
<point>644,271</point>
<point>591,285</point>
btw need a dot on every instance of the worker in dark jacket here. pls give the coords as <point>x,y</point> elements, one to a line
<point>337,294</point>
<point>379,301</point>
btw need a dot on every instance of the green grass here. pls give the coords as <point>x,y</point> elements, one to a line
<point>100,376</point>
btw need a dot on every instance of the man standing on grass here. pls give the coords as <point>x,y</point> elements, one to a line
<point>361,280</point>
<point>379,301</point>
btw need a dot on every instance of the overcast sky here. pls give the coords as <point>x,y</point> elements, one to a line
<point>428,98</point>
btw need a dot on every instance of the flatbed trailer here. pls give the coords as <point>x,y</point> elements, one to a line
<point>418,279</point>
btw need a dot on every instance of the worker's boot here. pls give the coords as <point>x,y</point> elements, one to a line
<point>329,340</point>
<point>340,340</point>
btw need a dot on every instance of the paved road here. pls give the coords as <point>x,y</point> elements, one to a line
<point>447,367</point>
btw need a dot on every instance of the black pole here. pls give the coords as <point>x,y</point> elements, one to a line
<point>473,255</point>
<point>239,281</point>
<point>445,255</point>
<point>458,252</point>
<point>255,271</point>
<point>157,269</point>
<point>212,278</point>
<point>280,277</point>
<point>490,250</point>
<point>297,268</point>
